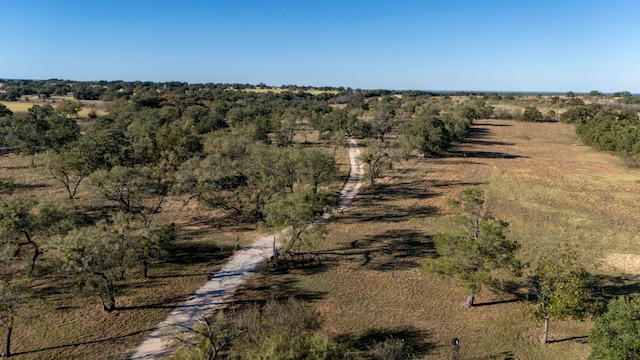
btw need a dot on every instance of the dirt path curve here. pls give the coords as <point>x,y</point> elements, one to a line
<point>221,286</point>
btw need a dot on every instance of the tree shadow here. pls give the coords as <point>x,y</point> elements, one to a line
<point>504,355</point>
<point>498,302</point>
<point>613,286</point>
<point>277,285</point>
<point>475,139</point>
<point>90,342</point>
<point>203,225</point>
<point>416,341</point>
<point>393,250</point>
<point>494,124</point>
<point>197,252</point>
<point>30,186</point>
<point>484,154</point>
<point>392,214</point>
<point>580,339</point>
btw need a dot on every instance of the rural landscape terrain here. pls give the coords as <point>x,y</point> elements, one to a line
<point>488,226</point>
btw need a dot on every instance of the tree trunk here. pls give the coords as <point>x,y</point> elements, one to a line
<point>36,251</point>
<point>110,305</point>
<point>469,303</point>
<point>7,350</point>
<point>545,334</point>
<point>145,267</point>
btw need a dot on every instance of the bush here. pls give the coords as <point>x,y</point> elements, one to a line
<point>284,330</point>
<point>616,334</point>
<point>532,114</point>
<point>390,349</point>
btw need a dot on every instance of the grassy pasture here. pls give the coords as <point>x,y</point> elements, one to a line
<point>22,106</point>
<point>538,177</point>
<point>281,90</point>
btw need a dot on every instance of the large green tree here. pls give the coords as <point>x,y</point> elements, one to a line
<point>20,217</point>
<point>474,256</point>
<point>616,334</point>
<point>563,288</point>
<point>298,212</point>
<point>94,257</point>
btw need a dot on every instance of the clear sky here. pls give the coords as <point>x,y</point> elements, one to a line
<point>490,45</point>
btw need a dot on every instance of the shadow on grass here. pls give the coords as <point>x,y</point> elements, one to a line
<point>484,154</point>
<point>391,214</point>
<point>581,339</point>
<point>416,342</point>
<point>280,286</point>
<point>190,252</point>
<point>393,250</point>
<point>504,355</point>
<point>498,302</point>
<point>474,139</point>
<point>496,125</point>
<point>619,285</point>
<point>201,225</point>
<point>90,342</point>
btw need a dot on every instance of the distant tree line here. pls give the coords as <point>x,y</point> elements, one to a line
<point>606,128</point>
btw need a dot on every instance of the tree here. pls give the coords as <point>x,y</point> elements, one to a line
<point>5,111</point>
<point>317,167</point>
<point>236,175</point>
<point>69,108</point>
<point>209,336</point>
<point>19,216</point>
<point>287,130</point>
<point>69,167</point>
<point>616,334</point>
<point>95,260</point>
<point>12,292</point>
<point>153,242</point>
<point>377,158</point>
<point>16,217</point>
<point>532,114</point>
<point>299,211</point>
<point>562,288</point>
<point>131,187</point>
<point>473,257</point>
<point>382,123</point>
<point>26,133</point>
<point>40,129</point>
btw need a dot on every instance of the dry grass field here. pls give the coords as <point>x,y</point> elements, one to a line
<point>538,177</point>
<point>280,90</point>
<point>22,106</point>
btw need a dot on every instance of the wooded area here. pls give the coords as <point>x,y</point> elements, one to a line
<point>124,170</point>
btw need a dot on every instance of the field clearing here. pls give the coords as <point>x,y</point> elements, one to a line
<point>281,90</point>
<point>538,177</point>
<point>22,106</point>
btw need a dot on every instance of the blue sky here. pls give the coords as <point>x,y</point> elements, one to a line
<point>488,45</point>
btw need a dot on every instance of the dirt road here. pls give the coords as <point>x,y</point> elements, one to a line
<point>221,286</point>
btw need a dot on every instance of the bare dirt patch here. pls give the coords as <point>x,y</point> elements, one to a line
<point>626,263</point>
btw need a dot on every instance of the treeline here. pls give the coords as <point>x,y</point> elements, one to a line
<point>606,128</point>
